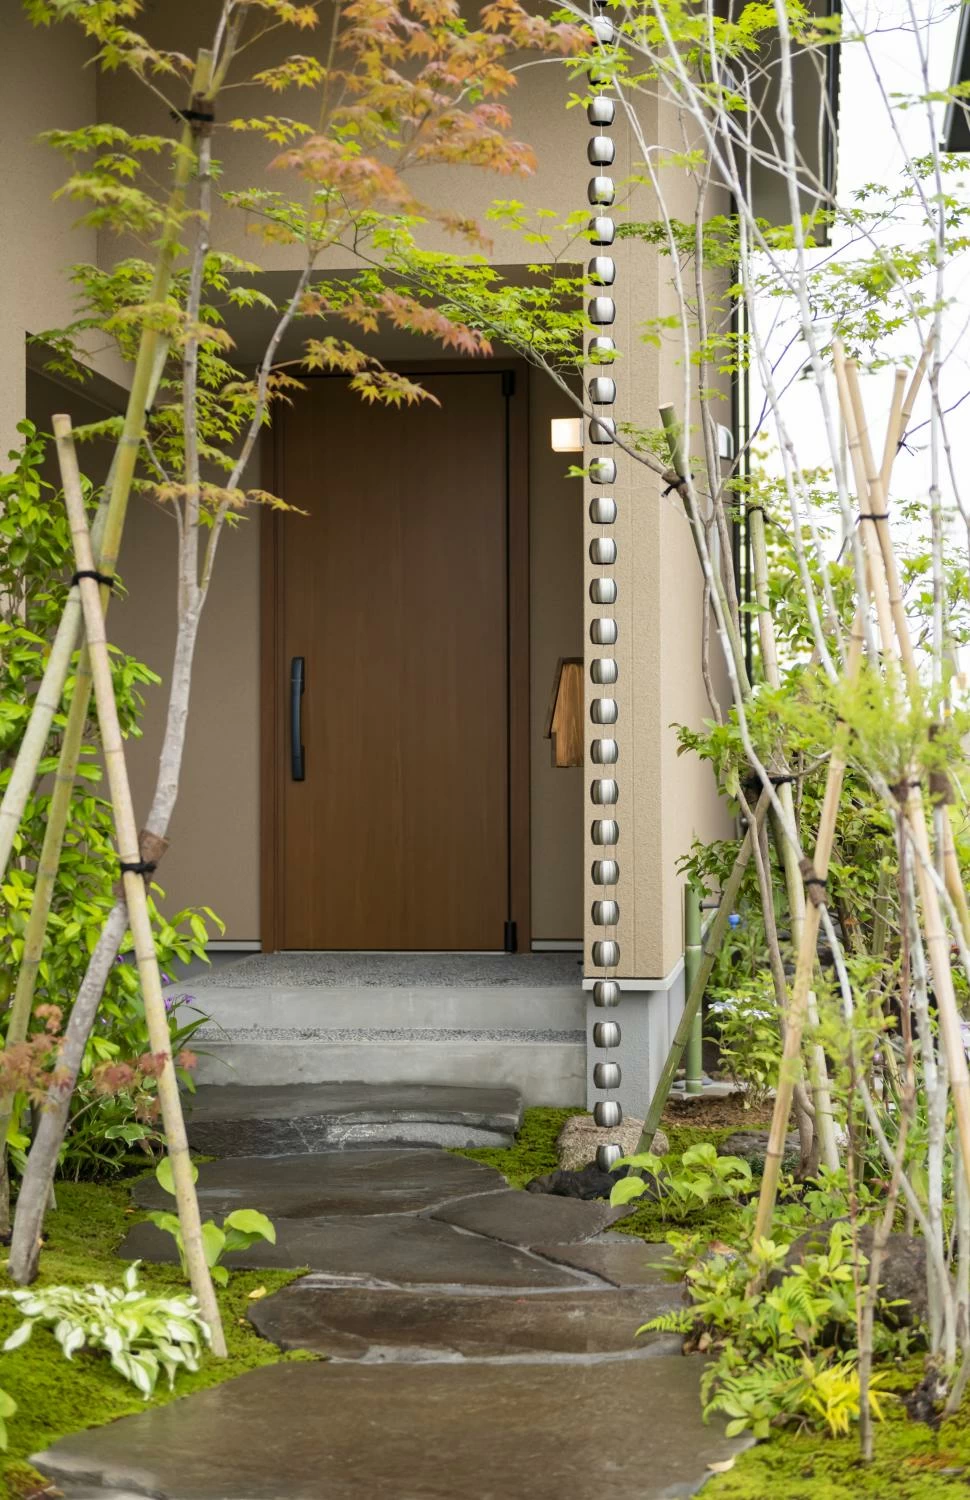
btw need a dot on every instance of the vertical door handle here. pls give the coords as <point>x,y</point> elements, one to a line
<point>297,676</point>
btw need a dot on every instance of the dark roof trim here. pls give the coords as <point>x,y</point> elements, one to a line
<point>956,121</point>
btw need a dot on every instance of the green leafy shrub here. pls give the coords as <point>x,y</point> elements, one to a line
<point>145,1335</point>
<point>111,1113</point>
<point>240,1229</point>
<point>787,1354</point>
<point>702,1178</point>
<point>744,1024</point>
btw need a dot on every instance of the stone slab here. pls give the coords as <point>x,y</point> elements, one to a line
<point>531,1218</point>
<point>353,1323</point>
<point>395,1250</point>
<point>620,1259</point>
<point>236,1120</point>
<point>631,1429</point>
<point>317,1185</point>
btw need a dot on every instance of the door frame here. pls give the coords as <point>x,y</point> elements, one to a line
<point>273,686</point>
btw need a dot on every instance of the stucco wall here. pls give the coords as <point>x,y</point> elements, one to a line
<point>665,800</point>
<point>45,84</point>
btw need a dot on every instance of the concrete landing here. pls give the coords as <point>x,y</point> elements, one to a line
<point>235,1120</point>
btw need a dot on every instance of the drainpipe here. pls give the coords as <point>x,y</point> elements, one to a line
<point>692,959</point>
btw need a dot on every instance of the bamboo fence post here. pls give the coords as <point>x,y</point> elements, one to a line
<point>129,852</point>
<point>147,370</point>
<point>712,941</point>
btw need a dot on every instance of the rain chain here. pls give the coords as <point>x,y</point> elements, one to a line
<point>604,791</point>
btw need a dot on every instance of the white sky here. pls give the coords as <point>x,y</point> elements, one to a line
<point>869,152</point>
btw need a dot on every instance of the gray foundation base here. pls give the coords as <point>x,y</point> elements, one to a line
<point>648,1019</point>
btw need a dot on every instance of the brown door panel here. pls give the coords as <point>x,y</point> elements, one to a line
<point>393,588</point>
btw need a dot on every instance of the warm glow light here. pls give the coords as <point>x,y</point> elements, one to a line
<point>567,434</point>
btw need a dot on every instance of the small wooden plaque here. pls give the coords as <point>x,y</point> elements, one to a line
<point>564,725</point>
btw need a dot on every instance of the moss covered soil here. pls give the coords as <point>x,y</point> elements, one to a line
<point>910,1461</point>
<point>55,1397</point>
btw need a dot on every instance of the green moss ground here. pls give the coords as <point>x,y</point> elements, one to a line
<point>910,1462</point>
<point>55,1397</point>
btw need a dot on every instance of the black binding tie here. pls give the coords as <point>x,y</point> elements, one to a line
<point>138,867</point>
<point>106,578</point>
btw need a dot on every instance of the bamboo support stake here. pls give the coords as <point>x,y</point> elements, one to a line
<point>817,1067</point>
<point>833,786</point>
<point>48,698</point>
<point>135,894</point>
<point>805,963</point>
<point>147,369</point>
<point>879,505</point>
<point>712,941</point>
<point>937,941</point>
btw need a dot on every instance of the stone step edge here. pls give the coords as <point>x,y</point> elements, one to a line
<point>371,1036</point>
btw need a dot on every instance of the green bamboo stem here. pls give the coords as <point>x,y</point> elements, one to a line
<point>694,1082</point>
<point>136,897</point>
<point>144,381</point>
<point>711,946</point>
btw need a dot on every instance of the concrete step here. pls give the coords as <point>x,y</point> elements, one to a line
<point>544,1067</point>
<point>294,1120</point>
<point>253,1012</point>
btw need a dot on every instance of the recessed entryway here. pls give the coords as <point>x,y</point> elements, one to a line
<point>395,669</point>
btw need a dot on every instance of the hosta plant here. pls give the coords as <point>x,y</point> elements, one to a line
<point>145,1335</point>
<point>240,1229</point>
<point>703,1177</point>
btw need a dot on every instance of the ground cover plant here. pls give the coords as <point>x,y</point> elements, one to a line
<point>55,1397</point>
<point>912,1458</point>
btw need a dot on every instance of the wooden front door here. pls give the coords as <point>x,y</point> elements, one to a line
<point>389,656</point>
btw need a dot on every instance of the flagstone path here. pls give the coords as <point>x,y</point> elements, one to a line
<point>480,1344</point>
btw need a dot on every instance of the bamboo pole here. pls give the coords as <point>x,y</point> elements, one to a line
<point>824,1123</point>
<point>134,889</point>
<point>712,941</point>
<point>694,1082</point>
<point>48,698</point>
<point>805,963</point>
<point>937,941</point>
<point>147,369</point>
<point>879,505</point>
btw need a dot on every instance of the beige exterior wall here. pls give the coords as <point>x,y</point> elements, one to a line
<point>45,84</point>
<point>665,801</point>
